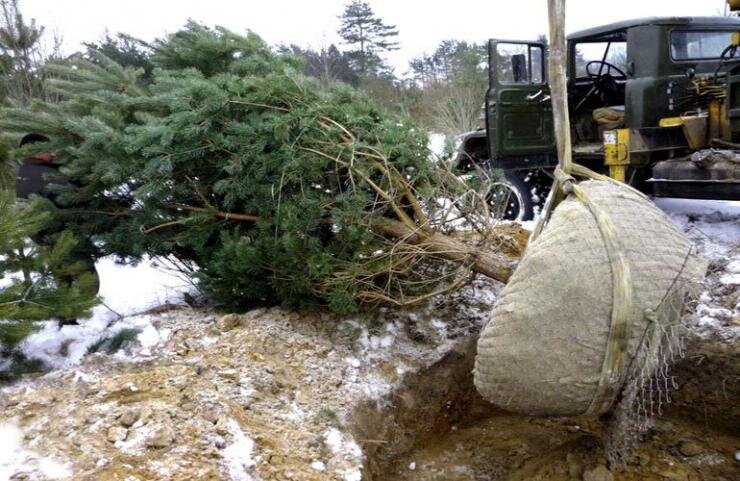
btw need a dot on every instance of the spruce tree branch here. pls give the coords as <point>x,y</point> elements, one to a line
<point>406,187</point>
<point>162,225</point>
<point>386,169</point>
<point>197,191</point>
<point>389,170</point>
<point>116,213</point>
<point>340,126</point>
<point>216,213</point>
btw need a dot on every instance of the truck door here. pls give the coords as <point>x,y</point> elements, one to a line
<point>518,107</point>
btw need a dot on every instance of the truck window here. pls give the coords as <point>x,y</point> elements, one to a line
<point>518,63</point>
<point>699,45</point>
<point>615,52</point>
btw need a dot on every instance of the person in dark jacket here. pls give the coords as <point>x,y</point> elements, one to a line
<point>34,170</point>
<point>37,175</point>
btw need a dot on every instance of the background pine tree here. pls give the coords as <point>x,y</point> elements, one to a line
<point>126,51</point>
<point>21,55</point>
<point>369,36</point>
<point>19,48</point>
<point>327,64</point>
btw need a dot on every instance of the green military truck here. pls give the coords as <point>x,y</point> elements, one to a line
<point>653,102</point>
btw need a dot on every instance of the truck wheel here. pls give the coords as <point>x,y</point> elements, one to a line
<point>511,199</point>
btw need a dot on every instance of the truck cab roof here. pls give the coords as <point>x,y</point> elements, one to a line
<point>618,30</point>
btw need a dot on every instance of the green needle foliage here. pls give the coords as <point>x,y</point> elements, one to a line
<point>7,167</point>
<point>231,160</point>
<point>33,278</point>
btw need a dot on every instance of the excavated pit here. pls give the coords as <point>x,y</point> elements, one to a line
<point>435,426</point>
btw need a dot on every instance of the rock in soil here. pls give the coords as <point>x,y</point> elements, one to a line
<point>690,448</point>
<point>228,322</point>
<point>599,473</point>
<point>129,417</point>
<point>116,433</point>
<point>162,437</point>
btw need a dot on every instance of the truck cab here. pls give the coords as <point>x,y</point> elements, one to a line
<point>647,98</point>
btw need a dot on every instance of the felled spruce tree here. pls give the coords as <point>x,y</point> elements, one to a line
<point>37,282</point>
<point>279,190</point>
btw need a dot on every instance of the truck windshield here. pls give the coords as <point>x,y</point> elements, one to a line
<point>699,45</point>
<point>614,53</point>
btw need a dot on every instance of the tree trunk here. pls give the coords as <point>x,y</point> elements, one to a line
<point>491,263</point>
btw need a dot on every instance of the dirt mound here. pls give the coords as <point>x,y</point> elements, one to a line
<point>269,395</point>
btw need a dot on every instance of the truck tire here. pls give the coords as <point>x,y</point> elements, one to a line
<point>511,198</point>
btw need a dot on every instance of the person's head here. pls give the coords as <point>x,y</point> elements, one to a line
<point>33,138</point>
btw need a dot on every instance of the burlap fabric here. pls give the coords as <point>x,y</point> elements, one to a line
<point>543,351</point>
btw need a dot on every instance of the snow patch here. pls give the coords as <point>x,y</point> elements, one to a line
<point>694,207</point>
<point>340,443</point>
<point>730,279</point>
<point>436,145</point>
<point>354,474</point>
<point>15,459</point>
<point>714,226</point>
<point>333,439</point>
<point>238,455</point>
<point>353,361</point>
<point>65,346</point>
<point>125,291</point>
<point>130,289</point>
<point>343,446</point>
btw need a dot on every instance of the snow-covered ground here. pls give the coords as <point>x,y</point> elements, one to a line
<point>128,292</point>
<point>714,226</point>
<point>15,458</point>
<point>437,145</point>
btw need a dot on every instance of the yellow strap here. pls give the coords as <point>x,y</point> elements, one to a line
<point>613,370</point>
<point>559,100</point>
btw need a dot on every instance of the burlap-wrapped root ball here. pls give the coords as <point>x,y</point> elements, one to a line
<point>543,351</point>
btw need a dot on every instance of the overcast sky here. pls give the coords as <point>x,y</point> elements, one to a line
<point>422,23</point>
